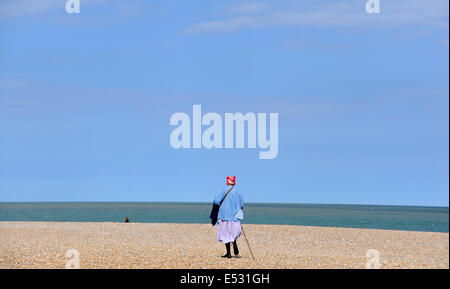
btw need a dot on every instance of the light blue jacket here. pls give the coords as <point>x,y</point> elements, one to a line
<point>231,205</point>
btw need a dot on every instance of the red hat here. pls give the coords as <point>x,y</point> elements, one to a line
<point>231,181</point>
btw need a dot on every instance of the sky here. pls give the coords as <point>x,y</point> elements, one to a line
<point>362,99</point>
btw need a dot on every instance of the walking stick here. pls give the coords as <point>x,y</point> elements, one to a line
<point>248,243</point>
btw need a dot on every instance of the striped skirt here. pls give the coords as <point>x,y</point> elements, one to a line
<point>228,231</point>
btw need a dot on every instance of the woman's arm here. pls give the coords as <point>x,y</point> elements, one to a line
<point>241,200</point>
<point>219,197</point>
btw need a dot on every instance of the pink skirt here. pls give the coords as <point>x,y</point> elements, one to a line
<point>228,231</point>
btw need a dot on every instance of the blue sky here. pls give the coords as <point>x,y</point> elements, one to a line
<point>363,100</point>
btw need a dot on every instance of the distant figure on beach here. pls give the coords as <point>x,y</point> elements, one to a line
<point>127,220</point>
<point>229,216</point>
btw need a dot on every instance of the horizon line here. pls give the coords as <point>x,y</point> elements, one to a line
<point>193,202</point>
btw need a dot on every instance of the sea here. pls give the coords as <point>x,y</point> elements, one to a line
<point>409,218</point>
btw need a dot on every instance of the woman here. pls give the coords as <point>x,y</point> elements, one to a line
<point>231,203</point>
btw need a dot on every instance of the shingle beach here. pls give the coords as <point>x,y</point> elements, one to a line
<point>151,245</point>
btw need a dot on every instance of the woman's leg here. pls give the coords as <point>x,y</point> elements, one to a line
<point>228,254</point>
<point>235,248</point>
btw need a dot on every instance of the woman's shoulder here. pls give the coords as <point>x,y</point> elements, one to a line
<point>236,190</point>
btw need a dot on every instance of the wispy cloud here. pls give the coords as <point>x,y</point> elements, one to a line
<point>340,14</point>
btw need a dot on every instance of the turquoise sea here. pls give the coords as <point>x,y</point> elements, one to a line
<point>433,219</point>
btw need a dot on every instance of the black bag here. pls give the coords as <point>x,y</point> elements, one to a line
<point>215,210</point>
